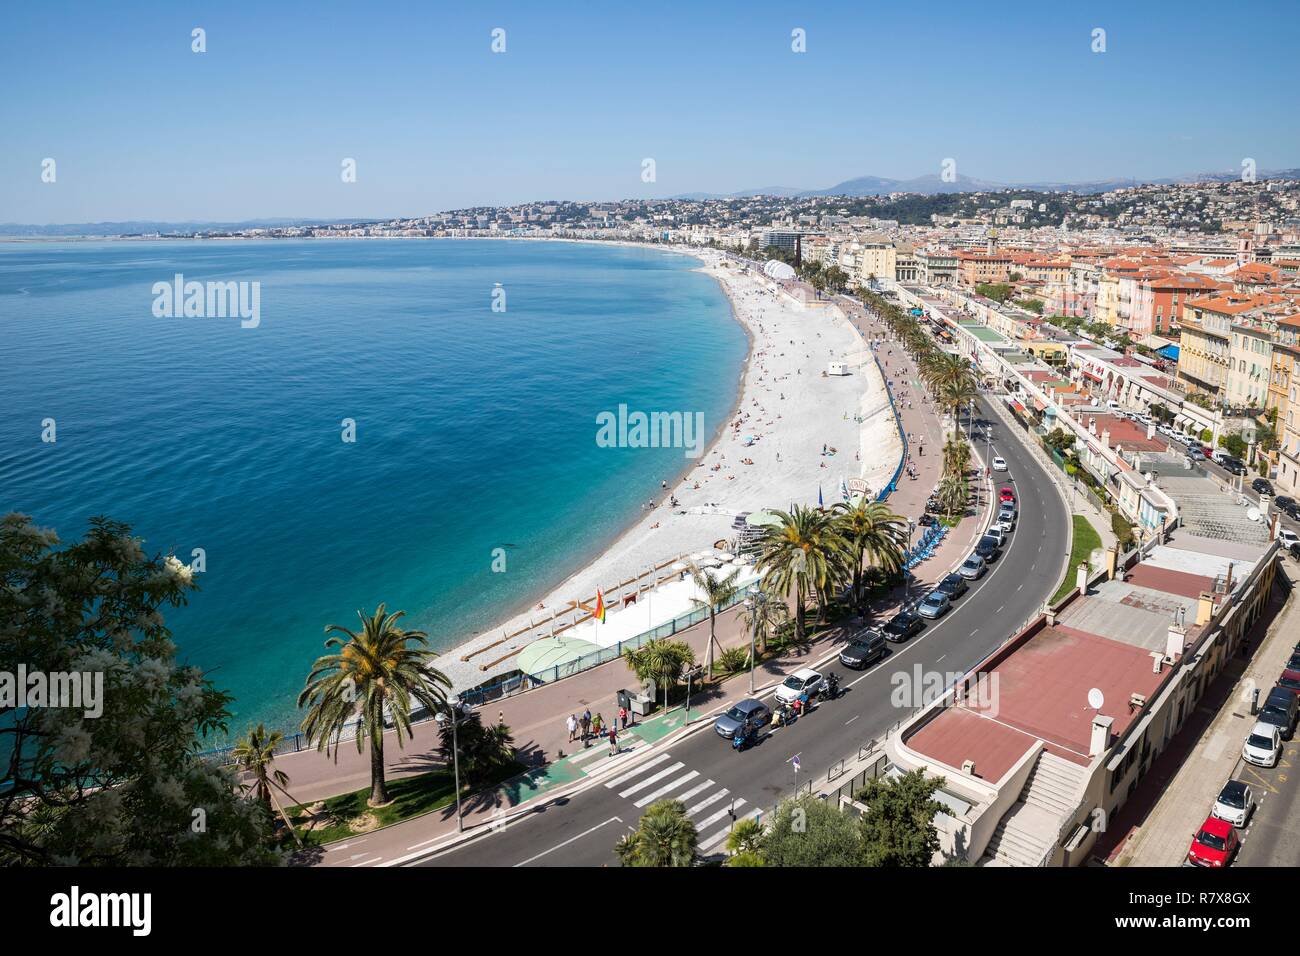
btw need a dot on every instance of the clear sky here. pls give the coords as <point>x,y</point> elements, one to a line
<point>140,127</point>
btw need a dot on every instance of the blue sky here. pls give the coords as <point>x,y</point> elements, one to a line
<point>142,128</point>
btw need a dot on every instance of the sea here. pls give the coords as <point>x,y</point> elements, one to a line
<point>408,421</point>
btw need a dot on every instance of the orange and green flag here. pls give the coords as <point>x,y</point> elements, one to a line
<point>599,613</point>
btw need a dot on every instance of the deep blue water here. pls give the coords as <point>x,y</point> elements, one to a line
<point>475,429</point>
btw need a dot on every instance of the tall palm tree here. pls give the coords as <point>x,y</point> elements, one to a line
<point>952,494</point>
<point>875,535</point>
<point>762,615</point>
<point>660,660</point>
<point>717,592</point>
<point>802,551</point>
<point>956,456</point>
<point>374,674</point>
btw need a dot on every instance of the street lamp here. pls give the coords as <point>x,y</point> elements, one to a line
<point>453,714</point>
<point>691,674</point>
<point>907,573</point>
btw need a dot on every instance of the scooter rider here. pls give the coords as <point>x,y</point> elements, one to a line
<point>832,686</point>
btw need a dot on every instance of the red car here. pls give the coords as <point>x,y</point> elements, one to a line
<point>1215,844</point>
<point>1006,494</point>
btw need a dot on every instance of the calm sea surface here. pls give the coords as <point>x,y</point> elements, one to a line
<point>475,429</point>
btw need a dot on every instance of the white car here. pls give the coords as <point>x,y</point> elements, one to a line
<point>804,680</point>
<point>1263,746</point>
<point>999,463</point>
<point>1234,803</point>
<point>1005,524</point>
<point>1287,537</point>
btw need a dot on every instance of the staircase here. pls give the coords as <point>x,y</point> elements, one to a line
<point>1027,832</point>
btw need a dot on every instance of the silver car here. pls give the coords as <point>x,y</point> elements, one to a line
<point>934,605</point>
<point>972,568</point>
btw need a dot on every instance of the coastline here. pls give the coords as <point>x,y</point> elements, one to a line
<point>709,496</point>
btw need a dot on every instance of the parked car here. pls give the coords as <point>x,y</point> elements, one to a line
<point>746,716</point>
<point>1285,504</point>
<point>902,625</point>
<point>1006,523</point>
<point>972,568</point>
<point>1234,804</point>
<point>1261,486</point>
<point>1263,745</point>
<point>1290,680</point>
<point>953,585</point>
<point>1287,537</point>
<point>863,650</point>
<point>1219,456</point>
<point>1006,494</point>
<point>934,605</point>
<point>804,680</point>
<point>997,534</point>
<point>1215,844</point>
<point>1195,454</point>
<point>1281,708</point>
<point>1007,512</point>
<point>1233,466</point>
<point>999,463</point>
<point>1295,551</point>
<point>988,548</point>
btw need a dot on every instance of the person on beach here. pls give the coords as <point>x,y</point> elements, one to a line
<point>572,724</point>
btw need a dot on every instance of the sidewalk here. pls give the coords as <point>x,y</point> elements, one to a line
<point>1156,825</point>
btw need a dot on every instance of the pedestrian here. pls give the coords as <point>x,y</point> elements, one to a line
<point>572,724</point>
<point>613,742</point>
<point>597,724</point>
<point>622,717</point>
<point>586,724</point>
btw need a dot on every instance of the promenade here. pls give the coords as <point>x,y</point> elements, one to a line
<point>537,718</point>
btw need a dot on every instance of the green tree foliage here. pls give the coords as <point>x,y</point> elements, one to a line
<point>807,831</point>
<point>898,827</point>
<point>665,837</point>
<point>126,786</point>
<point>484,750</point>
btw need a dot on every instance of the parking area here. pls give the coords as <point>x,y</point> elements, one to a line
<point>1272,834</point>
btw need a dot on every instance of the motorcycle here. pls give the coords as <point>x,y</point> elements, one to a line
<point>783,716</point>
<point>742,739</point>
<point>832,687</point>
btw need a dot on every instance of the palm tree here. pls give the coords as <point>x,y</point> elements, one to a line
<point>746,836</point>
<point>374,675</point>
<point>956,456</point>
<point>762,615</point>
<point>875,535</point>
<point>254,755</point>
<point>801,551</point>
<point>717,592</point>
<point>665,837</point>
<point>660,660</point>
<point>952,494</point>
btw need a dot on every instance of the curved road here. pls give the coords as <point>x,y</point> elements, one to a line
<point>704,771</point>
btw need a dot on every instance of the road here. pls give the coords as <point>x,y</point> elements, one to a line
<point>1271,836</point>
<point>704,772</point>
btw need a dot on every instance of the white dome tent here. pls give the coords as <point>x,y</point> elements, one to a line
<point>778,270</point>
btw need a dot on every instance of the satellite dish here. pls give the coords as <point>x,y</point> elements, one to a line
<point>1253,514</point>
<point>1096,699</point>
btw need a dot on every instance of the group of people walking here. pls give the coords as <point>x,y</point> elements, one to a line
<point>588,727</point>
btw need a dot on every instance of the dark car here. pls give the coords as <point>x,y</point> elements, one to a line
<point>1281,709</point>
<point>1234,466</point>
<point>748,715</point>
<point>1261,486</point>
<point>863,650</point>
<point>1295,551</point>
<point>902,626</point>
<point>953,585</point>
<point>1294,663</point>
<point>1285,504</point>
<point>988,547</point>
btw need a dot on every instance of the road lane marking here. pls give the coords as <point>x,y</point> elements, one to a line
<point>714,818</point>
<point>570,840</point>
<point>652,780</point>
<point>619,781</point>
<point>652,797</point>
<point>707,803</point>
<point>851,720</point>
<point>694,790</point>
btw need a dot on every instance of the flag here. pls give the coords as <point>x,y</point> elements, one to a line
<point>599,613</point>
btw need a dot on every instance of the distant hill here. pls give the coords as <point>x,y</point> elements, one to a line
<point>932,184</point>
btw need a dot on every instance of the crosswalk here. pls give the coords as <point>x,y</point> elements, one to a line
<point>663,778</point>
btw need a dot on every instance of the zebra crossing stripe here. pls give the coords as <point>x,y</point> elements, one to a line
<point>694,790</point>
<point>650,798</point>
<point>705,824</point>
<point>651,780</point>
<point>619,781</point>
<point>705,803</point>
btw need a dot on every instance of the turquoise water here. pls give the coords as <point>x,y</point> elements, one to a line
<point>475,429</point>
